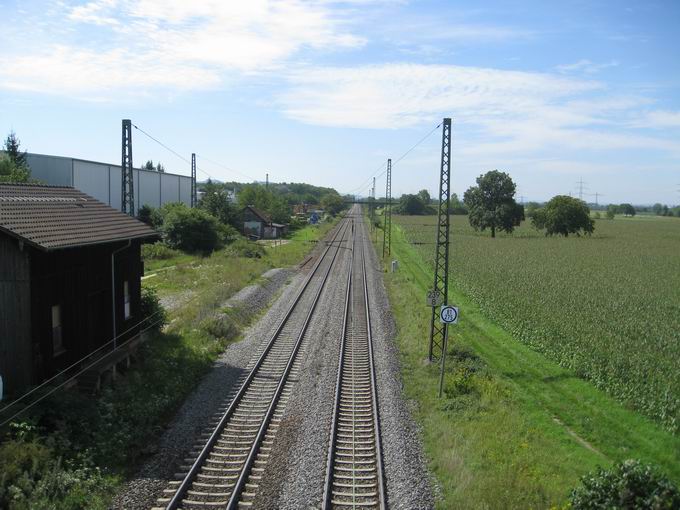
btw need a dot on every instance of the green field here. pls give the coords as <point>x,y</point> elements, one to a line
<point>514,429</point>
<point>606,307</point>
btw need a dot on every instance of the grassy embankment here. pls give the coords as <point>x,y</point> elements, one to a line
<point>74,452</point>
<point>514,429</point>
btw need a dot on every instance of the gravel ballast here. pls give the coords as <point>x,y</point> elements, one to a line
<point>142,491</point>
<point>295,474</point>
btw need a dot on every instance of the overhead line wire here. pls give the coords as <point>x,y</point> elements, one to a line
<point>374,174</point>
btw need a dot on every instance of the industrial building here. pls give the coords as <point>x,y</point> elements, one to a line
<point>102,181</point>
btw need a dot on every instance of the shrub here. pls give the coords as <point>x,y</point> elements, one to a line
<point>158,251</point>
<point>629,485</point>
<point>192,230</point>
<point>151,216</point>
<point>245,248</point>
<point>153,312</point>
<point>220,327</point>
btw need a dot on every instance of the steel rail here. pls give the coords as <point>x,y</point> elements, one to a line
<point>327,501</point>
<point>245,472</point>
<point>189,478</point>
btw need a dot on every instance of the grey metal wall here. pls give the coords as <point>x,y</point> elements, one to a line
<point>103,181</point>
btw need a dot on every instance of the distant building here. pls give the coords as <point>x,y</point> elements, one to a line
<point>257,224</point>
<point>103,181</point>
<point>70,270</point>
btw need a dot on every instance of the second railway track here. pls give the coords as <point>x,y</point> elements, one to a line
<point>225,472</point>
<point>354,471</point>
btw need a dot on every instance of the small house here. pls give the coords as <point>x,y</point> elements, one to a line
<point>70,280</point>
<point>259,225</point>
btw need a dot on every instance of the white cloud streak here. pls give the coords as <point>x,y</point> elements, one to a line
<point>186,45</point>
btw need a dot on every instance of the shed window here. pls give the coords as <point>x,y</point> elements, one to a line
<point>126,299</point>
<point>57,338</point>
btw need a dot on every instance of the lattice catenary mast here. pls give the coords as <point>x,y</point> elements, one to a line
<point>127,174</point>
<point>193,180</point>
<point>441,265</point>
<point>387,229</point>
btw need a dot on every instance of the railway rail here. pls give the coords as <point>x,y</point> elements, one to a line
<point>226,471</point>
<point>354,471</point>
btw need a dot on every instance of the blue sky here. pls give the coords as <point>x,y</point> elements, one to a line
<point>324,92</point>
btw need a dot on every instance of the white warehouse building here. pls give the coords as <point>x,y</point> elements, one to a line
<point>103,181</point>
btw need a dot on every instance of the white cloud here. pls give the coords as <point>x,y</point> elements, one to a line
<point>659,119</point>
<point>108,45</point>
<point>585,66</point>
<point>501,112</point>
<point>399,95</point>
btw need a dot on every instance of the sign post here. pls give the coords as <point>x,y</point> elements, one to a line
<point>447,315</point>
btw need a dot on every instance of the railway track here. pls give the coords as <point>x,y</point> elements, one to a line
<point>225,468</point>
<point>354,471</point>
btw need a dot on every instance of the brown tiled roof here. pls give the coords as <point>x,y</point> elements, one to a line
<point>54,217</point>
<point>264,217</point>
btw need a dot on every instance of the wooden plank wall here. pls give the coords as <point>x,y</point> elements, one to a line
<point>15,321</point>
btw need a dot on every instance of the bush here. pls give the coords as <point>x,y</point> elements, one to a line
<point>220,327</point>
<point>192,230</point>
<point>155,316</point>
<point>150,215</point>
<point>245,248</point>
<point>158,251</point>
<point>629,485</point>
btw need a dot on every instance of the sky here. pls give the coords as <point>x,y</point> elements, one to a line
<point>324,92</point>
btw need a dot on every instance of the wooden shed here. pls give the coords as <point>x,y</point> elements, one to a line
<point>259,225</point>
<point>70,274</point>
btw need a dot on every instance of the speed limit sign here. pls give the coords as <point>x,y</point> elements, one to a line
<point>448,314</point>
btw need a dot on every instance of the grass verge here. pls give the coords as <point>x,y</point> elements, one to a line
<point>513,430</point>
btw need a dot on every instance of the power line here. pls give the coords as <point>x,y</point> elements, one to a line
<point>226,168</point>
<point>162,144</point>
<point>384,165</point>
<point>188,161</point>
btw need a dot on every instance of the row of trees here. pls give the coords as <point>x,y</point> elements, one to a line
<point>216,221</point>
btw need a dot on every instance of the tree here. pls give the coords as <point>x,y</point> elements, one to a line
<point>13,166</point>
<point>564,215</point>
<point>424,196</point>
<point>150,215</point>
<point>411,205</point>
<point>332,203</point>
<point>491,203</point>
<point>192,230</point>
<point>274,204</point>
<point>216,202</point>
<point>150,166</point>
<point>612,210</point>
<point>627,210</point>
<point>12,149</point>
<point>456,206</point>
<point>530,208</point>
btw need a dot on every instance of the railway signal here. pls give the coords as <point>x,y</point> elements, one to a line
<point>447,315</point>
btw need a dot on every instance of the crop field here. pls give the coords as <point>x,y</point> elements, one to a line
<point>606,306</point>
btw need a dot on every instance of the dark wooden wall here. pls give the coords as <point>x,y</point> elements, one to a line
<point>15,319</point>
<point>79,279</point>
